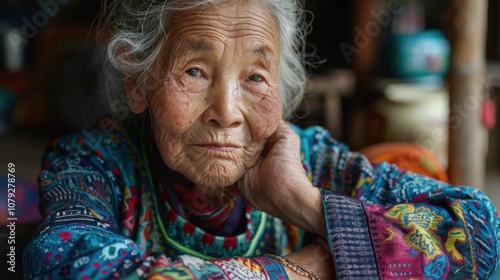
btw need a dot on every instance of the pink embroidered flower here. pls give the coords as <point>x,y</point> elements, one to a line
<point>65,235</point>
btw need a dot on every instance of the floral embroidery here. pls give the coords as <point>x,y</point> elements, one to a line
<point>421,223</point>
<point>456,235</point>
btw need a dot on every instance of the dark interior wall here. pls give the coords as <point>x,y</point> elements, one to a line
<point>332,25</point>
<point>434,11</point>
<point>69,10</point>
<point>493,46</point>
<point>41,14</point>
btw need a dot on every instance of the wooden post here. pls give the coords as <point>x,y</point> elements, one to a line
<point>364,59</point>
<point>467,34</point>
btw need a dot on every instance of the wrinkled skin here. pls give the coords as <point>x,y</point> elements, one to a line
<point>215,96</point>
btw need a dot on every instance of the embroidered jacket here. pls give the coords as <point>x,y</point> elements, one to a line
<point>107,215</point>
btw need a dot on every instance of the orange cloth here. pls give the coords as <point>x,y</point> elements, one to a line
<point>408,156</point>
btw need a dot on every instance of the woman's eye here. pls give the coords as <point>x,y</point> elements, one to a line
<point>194,72</point>
<point>256,78</point>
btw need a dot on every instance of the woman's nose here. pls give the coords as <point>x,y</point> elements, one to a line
<point>224,110</point>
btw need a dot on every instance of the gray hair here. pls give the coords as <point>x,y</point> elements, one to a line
<point>140,32</point>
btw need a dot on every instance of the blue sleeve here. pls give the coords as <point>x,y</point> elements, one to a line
<point>385,222</point>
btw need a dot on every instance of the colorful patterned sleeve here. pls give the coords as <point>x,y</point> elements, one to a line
<point>386,223</point>
<point>80,237</point>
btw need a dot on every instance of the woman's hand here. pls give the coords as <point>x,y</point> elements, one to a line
<point>278,184</point>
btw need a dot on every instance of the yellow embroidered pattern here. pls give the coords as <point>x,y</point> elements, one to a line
<point>454,236</point>
<point>420,224</point>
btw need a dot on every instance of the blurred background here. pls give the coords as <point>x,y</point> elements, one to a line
<point>414,82</point>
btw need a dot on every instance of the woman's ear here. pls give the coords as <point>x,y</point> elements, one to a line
<point>136,98</point>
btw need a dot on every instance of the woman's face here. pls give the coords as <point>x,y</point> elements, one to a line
<point>216,96</point>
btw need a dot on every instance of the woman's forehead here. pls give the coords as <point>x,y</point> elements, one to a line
<point>229,17</point>
<point>203,30</point>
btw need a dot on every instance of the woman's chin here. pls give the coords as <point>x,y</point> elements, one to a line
<point>212,173</point>
<point>213,185</point>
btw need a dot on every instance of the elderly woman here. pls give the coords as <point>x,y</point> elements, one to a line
<point>206,181</point>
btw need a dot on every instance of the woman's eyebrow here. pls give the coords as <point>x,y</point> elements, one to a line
<point>262,51</point>
<point>194,46</point>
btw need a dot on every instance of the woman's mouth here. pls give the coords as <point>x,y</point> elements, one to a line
<point>219,147</point>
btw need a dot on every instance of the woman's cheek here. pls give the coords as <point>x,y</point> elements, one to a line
<point>175,111</point>
<point>266,115</point>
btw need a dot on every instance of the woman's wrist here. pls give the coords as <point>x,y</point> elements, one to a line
<point>292,267</point>
<point>313,216</point>
<point>302,206</point>
<point>312,258</point>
